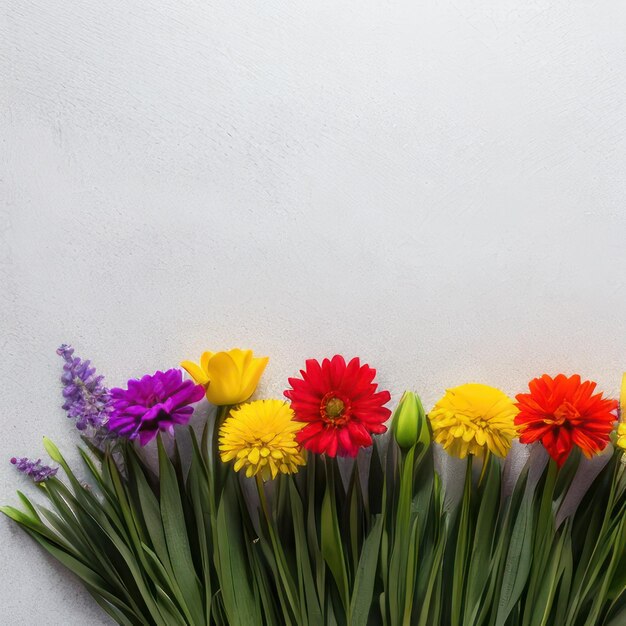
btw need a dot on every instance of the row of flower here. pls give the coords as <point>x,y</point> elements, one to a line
<point>295,537</point>
<point>335,408</point>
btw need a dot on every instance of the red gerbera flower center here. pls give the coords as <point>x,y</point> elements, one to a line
<point>565,413</point>
<point>335,408</point>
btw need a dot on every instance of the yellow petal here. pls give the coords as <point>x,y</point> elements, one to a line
<point>241,358</point>
<point>266,421</point>
<point>204,360</point>
<point>252,375</point>
<point>196,372</point>
<point>224,380</point>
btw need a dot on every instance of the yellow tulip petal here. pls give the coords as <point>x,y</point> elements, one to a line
<point>224,380</point>
<point>252,376</point>
<point>196,372</point>
<point>241,358</point>
<point>204,360</point>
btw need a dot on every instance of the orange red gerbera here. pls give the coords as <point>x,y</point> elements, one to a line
<point>563,412</point>
<point>339,404</point>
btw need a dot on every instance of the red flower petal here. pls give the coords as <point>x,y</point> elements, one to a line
<point>340,404</point>
<point>562,412</point>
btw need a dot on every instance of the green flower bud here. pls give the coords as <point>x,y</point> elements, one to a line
<point>409,424</point>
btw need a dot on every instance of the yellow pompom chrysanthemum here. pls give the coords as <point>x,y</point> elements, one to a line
<point>473,418</point>
<point>261,436</point>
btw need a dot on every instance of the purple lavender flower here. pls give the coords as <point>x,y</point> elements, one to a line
<point>35,469</point>
<point>87,400</point>
<point>153,403</point>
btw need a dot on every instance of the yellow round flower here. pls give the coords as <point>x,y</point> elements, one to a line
<point>473,418</point>
<point>228,377</point>
<point>261,436</point>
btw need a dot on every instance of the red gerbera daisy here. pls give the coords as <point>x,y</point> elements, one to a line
<point>340,405</point>
<point>561,412</point>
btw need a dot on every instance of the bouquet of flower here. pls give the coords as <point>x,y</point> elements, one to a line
<point>306,511</point>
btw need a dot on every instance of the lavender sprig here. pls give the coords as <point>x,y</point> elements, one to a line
<point>35,469</point>
<point>87,400</point>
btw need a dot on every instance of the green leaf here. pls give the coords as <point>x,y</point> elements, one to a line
<point>240,605</point>
<point>29,506</point>
<point>566,569</point>
<point>305,572</point>
<point>197,485</point>
<point>176,538</point>
<point>146,505</point>
<point>168,609</point>
<point>518,560</point>
<point>461,552</point>
<point>483,543</point>
<point>332,548</point>
<point>542,607</point>
<point>121,617</point>
<point>398,573</point>
<point>430,610</point>
<point>363,592</point>
<point>410,574</point>
<point>312,524</point>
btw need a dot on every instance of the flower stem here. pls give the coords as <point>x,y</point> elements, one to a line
<point>486,461</point>
<point>264,506</point>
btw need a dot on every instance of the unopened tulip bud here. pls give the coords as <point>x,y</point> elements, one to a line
<point>409,422</point>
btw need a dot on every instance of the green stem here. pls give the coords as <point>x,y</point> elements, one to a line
<point>462,548</point>
<point>216,473</point>
<point>486,460</point>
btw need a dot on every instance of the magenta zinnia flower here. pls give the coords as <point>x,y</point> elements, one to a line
<point>153,403</point>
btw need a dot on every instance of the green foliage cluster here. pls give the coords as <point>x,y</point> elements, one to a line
<point>375,544</point>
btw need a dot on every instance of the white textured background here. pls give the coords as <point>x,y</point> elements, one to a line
<point>436,186</point>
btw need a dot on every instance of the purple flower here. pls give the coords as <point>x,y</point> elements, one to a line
<point>154,403</point>
<point>34,469</point>
<point>87,400</point>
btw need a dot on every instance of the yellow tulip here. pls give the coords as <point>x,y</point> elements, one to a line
<point>228,377</point>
